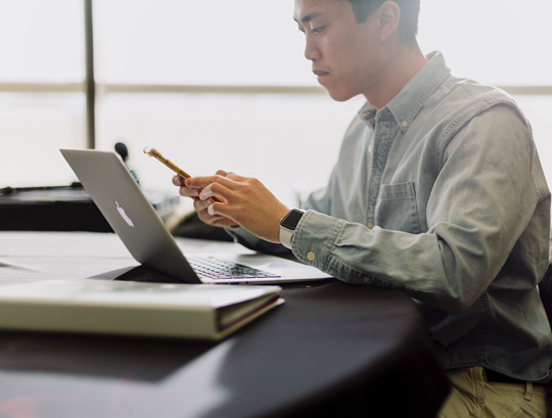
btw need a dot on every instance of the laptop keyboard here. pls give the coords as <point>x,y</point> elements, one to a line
<point>213,268</point>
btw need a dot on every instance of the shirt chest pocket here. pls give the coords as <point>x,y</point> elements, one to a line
<point>396,208</point>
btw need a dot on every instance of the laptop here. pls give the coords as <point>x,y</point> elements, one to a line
<point>121,201</point>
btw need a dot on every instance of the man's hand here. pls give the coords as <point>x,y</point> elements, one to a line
<point>201,206</point>
<point>246,202</point>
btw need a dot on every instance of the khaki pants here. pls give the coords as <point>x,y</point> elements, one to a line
<point>473,396</point>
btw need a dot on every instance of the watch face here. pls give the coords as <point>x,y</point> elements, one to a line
<point>292,219</point>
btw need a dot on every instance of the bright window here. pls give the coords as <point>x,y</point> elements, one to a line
<point>500,42</point>
<point>256,42</point>
<point>42,41</point>
<point>221,42</point>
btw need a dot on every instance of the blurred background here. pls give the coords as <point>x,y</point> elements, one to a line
<point>224,84</point>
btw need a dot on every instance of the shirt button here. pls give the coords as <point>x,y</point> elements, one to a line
<point>310,256</point>
<point>370,225</point>
<point>404,124</point>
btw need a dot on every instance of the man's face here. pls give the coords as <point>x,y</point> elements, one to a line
<point>344,53</point>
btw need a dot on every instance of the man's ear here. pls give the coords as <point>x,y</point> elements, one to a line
<point>389,17</point>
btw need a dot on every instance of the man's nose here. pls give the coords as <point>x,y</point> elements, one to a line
<point>312,53</point>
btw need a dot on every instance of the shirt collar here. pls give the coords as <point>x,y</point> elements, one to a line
<point>406,105</point>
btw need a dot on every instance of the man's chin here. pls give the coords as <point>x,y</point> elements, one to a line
<point>340,96</point>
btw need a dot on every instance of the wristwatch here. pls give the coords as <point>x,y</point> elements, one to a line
<point>287,226</point>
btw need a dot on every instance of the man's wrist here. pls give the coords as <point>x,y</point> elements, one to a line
<point>288,224</point>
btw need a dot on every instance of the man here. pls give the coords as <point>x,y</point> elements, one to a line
<point>438,191</point>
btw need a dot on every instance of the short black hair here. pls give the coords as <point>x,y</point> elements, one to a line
<point>410,10</point>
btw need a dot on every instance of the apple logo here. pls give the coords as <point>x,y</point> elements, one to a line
<point>124,215</point>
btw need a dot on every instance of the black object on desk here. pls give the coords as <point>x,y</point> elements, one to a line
<point>334,348</point>
<point>62,208</point>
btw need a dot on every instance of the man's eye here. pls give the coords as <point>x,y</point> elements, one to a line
<point>317,31</point>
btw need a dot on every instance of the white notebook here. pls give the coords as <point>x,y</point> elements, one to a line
<point>134,308</point>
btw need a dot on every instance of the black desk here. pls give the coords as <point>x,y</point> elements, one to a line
<point>334,348</point>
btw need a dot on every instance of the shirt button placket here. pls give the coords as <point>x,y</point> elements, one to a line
<point>382,144</point>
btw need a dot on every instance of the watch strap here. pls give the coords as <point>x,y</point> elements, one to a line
<point>286,235</point>
<point>287,226</point>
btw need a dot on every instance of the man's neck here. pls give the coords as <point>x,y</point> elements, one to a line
<point>400,68</point>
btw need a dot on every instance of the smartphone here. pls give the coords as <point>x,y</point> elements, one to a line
<point>152,152</point>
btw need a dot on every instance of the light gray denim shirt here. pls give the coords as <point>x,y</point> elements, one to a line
<point>441,194</point>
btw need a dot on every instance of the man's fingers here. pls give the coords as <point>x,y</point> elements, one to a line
<point>209,186</point>
<point>214,220</point>
<point>215,184</point>
<point>235,177</point>
<point>178,181</point>
<point>216,192</point>
<point>222,173</point>
<point>189,192</point>
<point>223,222</point>
<point>217,209</point>
<point>201,205</point>
<point>202,182</point>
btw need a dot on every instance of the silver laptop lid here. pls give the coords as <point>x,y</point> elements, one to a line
<point>128,212</point>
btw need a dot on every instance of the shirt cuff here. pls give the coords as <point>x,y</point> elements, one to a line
<point>314,238</point>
